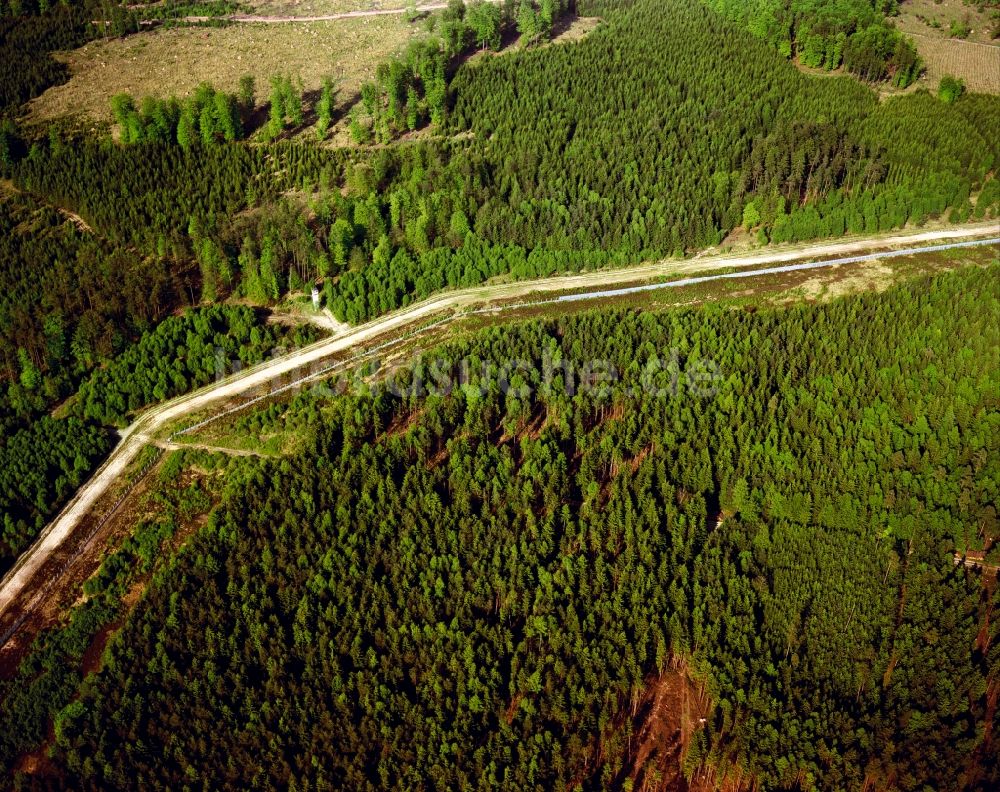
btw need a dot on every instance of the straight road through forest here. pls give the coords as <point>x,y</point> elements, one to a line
<point>277,19</point>
<point>18,581</point>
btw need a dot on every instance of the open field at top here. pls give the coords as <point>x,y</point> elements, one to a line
<point>934,17</point>
<point>977,64</point>
<point>975,59</point>
<point>174,61</point>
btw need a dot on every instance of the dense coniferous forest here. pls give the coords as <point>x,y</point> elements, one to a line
<point>41,465</point>
<point>657,161</point>
<point>182,353</point>
<point>70,298</point>
<point>50,676</point>
<point>467,589</point>
<point>70,301</point>
<point>85,310</point>
<point>412,90</point>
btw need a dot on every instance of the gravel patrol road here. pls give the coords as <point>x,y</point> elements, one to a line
<point>455,304</point>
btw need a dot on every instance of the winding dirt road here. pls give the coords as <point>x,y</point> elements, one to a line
<point>445,307</point>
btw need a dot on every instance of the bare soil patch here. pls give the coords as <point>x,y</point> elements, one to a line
<point>663,717</point>
<point>874,277</point>
<point>172,62</point>
<point>575,29</point>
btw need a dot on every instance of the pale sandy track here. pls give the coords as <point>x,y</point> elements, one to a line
<point>277,19</point>
<point>18,580</point>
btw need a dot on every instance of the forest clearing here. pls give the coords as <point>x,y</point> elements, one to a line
<point>174,61</point>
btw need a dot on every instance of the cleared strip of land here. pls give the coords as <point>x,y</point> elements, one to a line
<point>18,585</point>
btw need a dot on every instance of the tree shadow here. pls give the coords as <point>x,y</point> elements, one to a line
<point>255,118</point>
<point>259,117</point>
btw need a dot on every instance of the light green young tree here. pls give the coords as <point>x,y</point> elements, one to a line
<point>485,20</point>
<point>528,24</point>
<point>324,108</point>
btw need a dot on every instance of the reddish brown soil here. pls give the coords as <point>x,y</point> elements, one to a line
<point>75,562</point>
<point>670,710</point>
<point>655,731</point>
<point>66,592</point>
